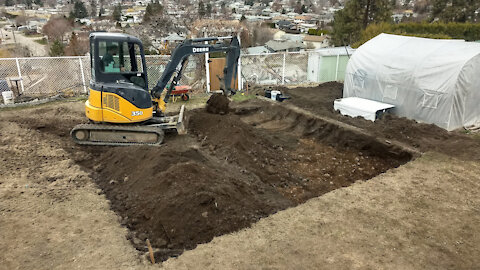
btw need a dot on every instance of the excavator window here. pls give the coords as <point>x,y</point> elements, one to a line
<point>122,59</point>
<point>119,57</point>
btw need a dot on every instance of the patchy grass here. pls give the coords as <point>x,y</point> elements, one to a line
<point>242,96</point>
<point>42,41</point>
<point>195,101</point>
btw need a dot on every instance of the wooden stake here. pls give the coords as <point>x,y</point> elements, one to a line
<point>150,251</point>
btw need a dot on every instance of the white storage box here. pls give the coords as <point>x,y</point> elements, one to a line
<point>7,97</point>
<point>354,106</point>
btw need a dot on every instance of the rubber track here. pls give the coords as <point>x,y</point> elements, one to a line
<point>114,128</point>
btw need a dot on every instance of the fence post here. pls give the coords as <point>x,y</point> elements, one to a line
<point>19,75</point>
<point>336,68</point>
<point>83,75</point>
<point>239,67</point>
<point>283,67</point>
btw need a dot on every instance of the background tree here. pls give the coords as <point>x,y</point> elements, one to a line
<point>79,11</point>
<point>56,28</point>
<point>201,9</point>
<point>208,10</point>
<point>356,16</point>
<point>455,10</point>
<point>153,10</point>
<point>298,7</point>
<point>57,48</point>
<point>38,3</point>
<point>223,9</point>
<point>21,19</point>
<point>93,8</point>
<point>28,3</point>
<point>277,6</point>
<point>76,45</point>
<point>117,13</point>
<point>101,11</point>
<point>9,3</point>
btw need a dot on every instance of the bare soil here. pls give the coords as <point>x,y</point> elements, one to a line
<point>222,177</point>
<point>229,172</point>
<point>420,136</point>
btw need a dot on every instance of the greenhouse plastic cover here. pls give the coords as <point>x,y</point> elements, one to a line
<point>429,80</point>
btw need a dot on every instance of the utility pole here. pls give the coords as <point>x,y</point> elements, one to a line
<point>14,39</point>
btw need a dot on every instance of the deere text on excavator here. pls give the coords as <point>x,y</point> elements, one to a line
<point>120,107</point>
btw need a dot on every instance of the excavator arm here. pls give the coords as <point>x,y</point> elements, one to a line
<point>197,46</point>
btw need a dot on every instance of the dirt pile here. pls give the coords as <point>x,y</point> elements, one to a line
<point>218,104</point>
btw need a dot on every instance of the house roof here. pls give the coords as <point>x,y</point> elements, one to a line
<point>303,17</point>
<point>311,38</point>
<point>284,23</point>
<point>174,37</point>
<point>257,50</point>
<point>276,45</point>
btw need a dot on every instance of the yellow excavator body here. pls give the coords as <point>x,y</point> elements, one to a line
<point>112,108</point>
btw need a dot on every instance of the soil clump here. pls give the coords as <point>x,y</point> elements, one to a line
<point>218,104</point>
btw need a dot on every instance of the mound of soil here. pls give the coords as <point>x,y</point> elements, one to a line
<point>218,104</point>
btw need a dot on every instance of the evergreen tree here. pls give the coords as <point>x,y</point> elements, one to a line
<point>101,10</point>
<point>93,8</point>
<point>9,3</point>
<point>455,10</point>
<point>201,9</point>
<point>38,3</point>
<point>57,48</point>
<point>79,11</point>
<point>28,3</point>
<point>117,13</point>
<point>209,10</point>
<point>152,10</point>
<point>356,16</point>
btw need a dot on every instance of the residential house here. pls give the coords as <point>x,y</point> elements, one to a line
<point>316,42</point>
<point>284,46</point>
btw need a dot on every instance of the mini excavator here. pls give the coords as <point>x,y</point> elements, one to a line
<point>120,107</point>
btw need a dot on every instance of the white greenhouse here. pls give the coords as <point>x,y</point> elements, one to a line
<point>429,80</point>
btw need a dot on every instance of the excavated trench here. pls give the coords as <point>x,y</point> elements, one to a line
<point>230,171</point>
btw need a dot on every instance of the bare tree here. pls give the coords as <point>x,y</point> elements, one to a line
<point>21,19</point>
<point>78,45</point>
<point>56,28</point>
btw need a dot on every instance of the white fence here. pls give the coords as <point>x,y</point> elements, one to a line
<point>43,76</point>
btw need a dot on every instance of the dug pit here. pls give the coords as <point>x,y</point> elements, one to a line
<point>230,171</point>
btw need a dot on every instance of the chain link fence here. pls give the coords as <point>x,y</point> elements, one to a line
<point>48,76</point>
<point>275,68</point>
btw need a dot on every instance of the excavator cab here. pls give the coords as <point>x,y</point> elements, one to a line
<point>119,84</point>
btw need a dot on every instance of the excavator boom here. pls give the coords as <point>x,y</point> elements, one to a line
<point>197,46</point>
